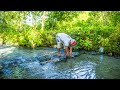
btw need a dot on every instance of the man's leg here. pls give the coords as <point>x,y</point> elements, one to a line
<point>66,51</point>
<point>58,45</point>
<point>58,52</point>
<point>70,51</point>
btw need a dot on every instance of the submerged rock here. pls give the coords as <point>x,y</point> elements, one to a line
<point>1,66</point>
<point>9,63</point>
<point>54,58</point>
<point>75,54</point>
<point>20,59</point>
<point>41,58</point>
<point>94,53</point>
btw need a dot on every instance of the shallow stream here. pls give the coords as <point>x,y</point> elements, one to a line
<point>43,63</point>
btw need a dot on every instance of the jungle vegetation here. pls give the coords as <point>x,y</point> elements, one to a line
<point>39,28</point>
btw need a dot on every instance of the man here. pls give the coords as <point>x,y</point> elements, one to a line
<point>101,49</point>
<point>67,42</point>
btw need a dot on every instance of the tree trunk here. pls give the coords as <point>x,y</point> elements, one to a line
<point>43,19</point>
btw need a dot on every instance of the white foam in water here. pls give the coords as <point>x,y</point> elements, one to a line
<point>6,50</point>
<point>93,76</point>
<point>34,64</point>
<point>85,71</point>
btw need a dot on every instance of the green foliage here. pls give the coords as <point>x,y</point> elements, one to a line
<point>48,38</point>
<point>30,38</point>
<point>89,28</point>
<point>115,41</point>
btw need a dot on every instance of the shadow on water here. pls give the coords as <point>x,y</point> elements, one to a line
<point>43,63</point>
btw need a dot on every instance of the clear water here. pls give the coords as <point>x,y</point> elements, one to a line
<point>85,66</point>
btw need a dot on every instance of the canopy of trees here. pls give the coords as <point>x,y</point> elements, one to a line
<point>38,28</point>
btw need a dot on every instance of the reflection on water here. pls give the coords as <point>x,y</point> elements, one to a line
<point>101,58</point>
<point>83,70</point>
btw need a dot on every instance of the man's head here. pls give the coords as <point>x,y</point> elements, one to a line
<point>73,42</point>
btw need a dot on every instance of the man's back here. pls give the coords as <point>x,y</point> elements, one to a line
<point>64,37</point>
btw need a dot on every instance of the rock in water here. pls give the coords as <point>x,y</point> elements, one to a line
<point>63,58</point>
<point>1,66</point>
<point>94,53</point>
<point>56,59</point>
<point>20,59</point>
<point>75,54</point>
<point>41,58</point>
